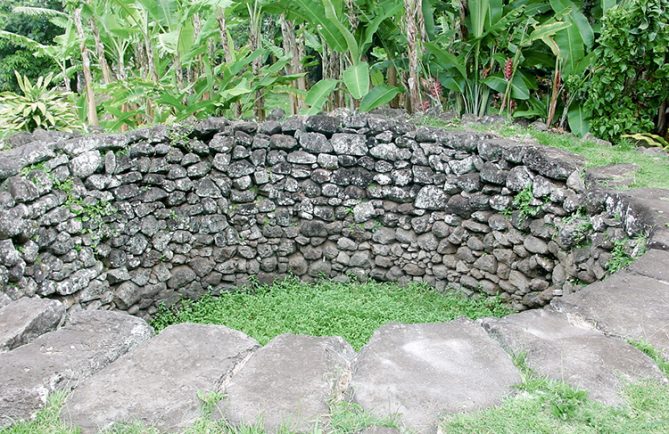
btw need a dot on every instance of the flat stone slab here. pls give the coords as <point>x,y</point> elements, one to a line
<point>421,372</point>
<point>654,264</point>
<point>612,176</point>
<point>653,207</point>
<point>289,383</point>
<point>627,305</point>
<point>158,383</point>
<point>61,359</point>
<point>23,320</point>
<point>574,353</point>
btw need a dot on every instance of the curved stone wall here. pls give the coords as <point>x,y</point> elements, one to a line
<point>128,221</point>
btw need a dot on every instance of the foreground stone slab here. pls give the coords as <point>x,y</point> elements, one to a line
<point>289,383</point>
<point>651,206</point>
<point>424,371</point>
<point>23,320</point>
<point>654,264</point>
<point>158,383</point>
<point>574,353</point>
<point>627,305</point>
<point>61,359</point>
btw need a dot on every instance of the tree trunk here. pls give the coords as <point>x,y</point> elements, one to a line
<point>148,49</point>
<point>227,53</point>
<point>91,107</point>
<point>662,120</point>
<point>290,48</point>
<point>555,91</point>
<point>300,52</point>
<point>100,51</point>
<point>255,22</point>
<point>391,77</point>
<point>413,12</point>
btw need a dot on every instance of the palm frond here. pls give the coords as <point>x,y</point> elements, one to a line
<point>21,41</point>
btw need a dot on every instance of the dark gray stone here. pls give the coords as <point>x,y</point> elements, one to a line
<point>627,305</point>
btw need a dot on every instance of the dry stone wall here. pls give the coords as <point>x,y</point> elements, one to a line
<point>133,220</point>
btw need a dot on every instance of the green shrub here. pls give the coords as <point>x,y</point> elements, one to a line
<point>37,107</point>
<point>631,72</point>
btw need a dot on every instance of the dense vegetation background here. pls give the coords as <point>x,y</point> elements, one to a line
<point>585,65</point>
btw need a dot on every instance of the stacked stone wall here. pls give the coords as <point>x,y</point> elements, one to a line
<point>132,220</point>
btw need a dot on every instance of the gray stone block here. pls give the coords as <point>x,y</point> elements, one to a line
<point>62,359</point>
<point>422,372</point>
<point>574,352</point>
<point>288,383</point>
<point>158,384</point>
<point>27,318</point>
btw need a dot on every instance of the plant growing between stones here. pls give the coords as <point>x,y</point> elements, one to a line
<point>621,256</point>
<point>91,213</point>
<point>180,136</point>
<point>523,202</point>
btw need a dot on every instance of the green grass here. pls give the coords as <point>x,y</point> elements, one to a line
<point>551,407</point>
<point>327,308</point>
<point>654,354</point>
<point>47,420</point>
<point>652,172</point>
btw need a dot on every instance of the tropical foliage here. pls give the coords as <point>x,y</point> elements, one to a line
<point>38,106</point>
<point>562,62</point>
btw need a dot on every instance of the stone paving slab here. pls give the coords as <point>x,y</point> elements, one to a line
<point>289,383</point>
<point>61,359</point>
<point>158,383</point>
<point>574,353</point>
<point>654,264</point>
<point>627,305</point>
<point>421,372</point>
<point>23,320</point>
<point>652,205</point>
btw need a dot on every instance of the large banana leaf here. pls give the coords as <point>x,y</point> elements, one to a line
<point>334,18</point>
<point>519,89</point>
<point>378,96</point>
<point>572,49</point>
<point>356,79</point>
<point>318,95</point>
<point>577,119</point>
<point>447,60</point>
<point>576,17</point>
<point>384,10</point>
<point>313,13</point>
<point>478,11</point>
<point>547,30</point>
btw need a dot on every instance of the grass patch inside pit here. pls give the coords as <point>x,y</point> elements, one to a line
<point>327,308</point>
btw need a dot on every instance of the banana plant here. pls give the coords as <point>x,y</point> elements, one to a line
<point>477,55</point>
<point>332,26</point>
